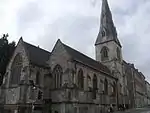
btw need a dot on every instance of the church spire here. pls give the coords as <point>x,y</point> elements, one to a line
<point>107,29</point>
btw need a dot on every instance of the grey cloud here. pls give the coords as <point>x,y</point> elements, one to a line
<point>29,14</point>
<point>135,37</point>
<point>77,31</point>
<point>76,23</point>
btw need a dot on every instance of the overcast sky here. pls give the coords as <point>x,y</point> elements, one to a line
<point>76,23</point>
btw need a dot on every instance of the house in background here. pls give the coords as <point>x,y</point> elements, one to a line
<point>148,92</point>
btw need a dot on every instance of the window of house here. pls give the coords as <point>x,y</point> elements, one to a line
<point>104,53</point>
<point>57,74</point>
<point>106,86</point>
<point>16,70</point>
<point>80,79</point>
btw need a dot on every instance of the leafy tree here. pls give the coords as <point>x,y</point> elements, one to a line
<point>6,51</point>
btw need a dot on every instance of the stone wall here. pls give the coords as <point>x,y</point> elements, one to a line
<point>114,64</point>
<point>70,95</point>
<point>13,99</point>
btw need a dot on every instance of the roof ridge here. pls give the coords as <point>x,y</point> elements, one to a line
<point>80,52</point>
<point>77,51</point>
<point>85,55</point>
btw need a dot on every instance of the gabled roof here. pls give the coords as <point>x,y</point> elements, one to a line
<point>76,55</point>
<point>36,55</point>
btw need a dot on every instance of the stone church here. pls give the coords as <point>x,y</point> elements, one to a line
<point>65,80</point>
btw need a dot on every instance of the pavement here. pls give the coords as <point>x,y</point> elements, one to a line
<point>136,110</point>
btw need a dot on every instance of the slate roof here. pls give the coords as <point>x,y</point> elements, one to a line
<point>36,55</point>
<point>107,25</point>
<point>76,55</point>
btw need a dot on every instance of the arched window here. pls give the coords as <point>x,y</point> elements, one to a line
<point>80,79</point>
<point>106,86</point>
<point>37,78</point>
<point>94,86</point>
<point>95,82</point>
<point>57,74</point>
<point>118,53</point>
<point>16,70</point>
<point>104,53</point>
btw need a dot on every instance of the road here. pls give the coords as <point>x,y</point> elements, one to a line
<point>138,110</point>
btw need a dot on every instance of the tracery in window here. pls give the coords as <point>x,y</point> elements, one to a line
<point>57,74</point>
<point>16,69</point>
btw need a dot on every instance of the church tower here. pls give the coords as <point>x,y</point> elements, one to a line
<point>107,45</point>
<point>108,48</point>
